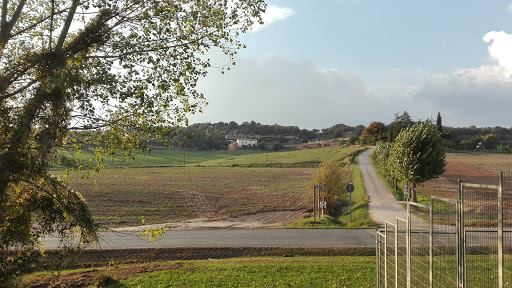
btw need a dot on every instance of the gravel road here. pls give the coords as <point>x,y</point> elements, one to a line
<point>383,205</point>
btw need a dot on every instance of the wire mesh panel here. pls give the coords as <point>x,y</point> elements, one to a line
<point>444,242</point>
<point>390,255</point>
<point>506,191</point>
<point>379,251</point>
<point>480,219</point>
<point>419,245</point>
<point>401,252</point>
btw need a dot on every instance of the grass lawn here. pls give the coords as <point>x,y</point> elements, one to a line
<point>300,271</point>
<point>266,272</point>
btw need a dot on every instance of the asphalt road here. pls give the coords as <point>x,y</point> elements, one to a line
<point>310,238</point>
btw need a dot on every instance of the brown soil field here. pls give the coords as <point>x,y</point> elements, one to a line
<point>476,168</point>
<point>174,194</point>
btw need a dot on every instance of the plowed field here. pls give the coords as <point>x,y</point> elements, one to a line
<point>173,194</point>
<point>477,168</point>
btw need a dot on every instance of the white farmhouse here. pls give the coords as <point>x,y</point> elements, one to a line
<point>246,142</point>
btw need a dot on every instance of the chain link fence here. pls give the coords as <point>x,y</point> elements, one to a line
<point>468,242</point>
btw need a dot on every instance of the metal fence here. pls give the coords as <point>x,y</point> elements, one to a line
<point>468,242</point>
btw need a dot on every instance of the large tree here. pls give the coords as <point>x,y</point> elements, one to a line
<point>375,130</point>
<point>418,154</point>
<point>100,74</point>
<point>401,121</point>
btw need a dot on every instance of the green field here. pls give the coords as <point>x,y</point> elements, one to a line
<point>299,158</point>
<point>162,156</point>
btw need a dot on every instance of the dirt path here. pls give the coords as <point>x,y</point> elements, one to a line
<point>383,205</point>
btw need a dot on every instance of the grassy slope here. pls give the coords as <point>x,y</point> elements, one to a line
<point>266,272</point>
<point>162,156</point>
<point>298,271</point>
<point>300,158</point>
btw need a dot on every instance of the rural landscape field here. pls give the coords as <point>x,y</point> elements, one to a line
<point>242,187</point>
<point>265,187</point>
<point>474,167</point>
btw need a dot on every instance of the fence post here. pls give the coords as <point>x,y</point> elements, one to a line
<point>408,244</point>
<point>385,255</point>
<point>396,254</point>
<point>377,253</point>
<point>460,237</point>
<point>431,243</point>
<point>500,232</point>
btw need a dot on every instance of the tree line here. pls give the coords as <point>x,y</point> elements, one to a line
<point>455,138</point>
<point>216,136</point>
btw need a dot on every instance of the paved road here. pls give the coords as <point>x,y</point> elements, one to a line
<point>310,238</point>
<point>383,205</point>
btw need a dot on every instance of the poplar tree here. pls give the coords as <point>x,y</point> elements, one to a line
<point>418,155</point>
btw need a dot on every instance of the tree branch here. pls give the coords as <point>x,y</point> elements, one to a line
<point>16,15</point>
<point>7,96</point>
<point>4,14</point>
<point>67,24</point>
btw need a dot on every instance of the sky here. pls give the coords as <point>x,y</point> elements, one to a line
<point>317,63</point>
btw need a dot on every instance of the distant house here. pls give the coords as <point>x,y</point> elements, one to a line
<point>246,142</point>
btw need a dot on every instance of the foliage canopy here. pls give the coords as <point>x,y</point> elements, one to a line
<point>374,130</point>
<point>98,74</point>
<point>418,154</point>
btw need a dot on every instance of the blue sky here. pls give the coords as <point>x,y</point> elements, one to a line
<point>316,63</point>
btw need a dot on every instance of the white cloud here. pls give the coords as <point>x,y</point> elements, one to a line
<point>273,14</point>
<point>479,96</point>
<point>500,49</point>
<point>277,90</point>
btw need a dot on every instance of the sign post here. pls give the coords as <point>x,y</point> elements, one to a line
<point>323,205</point>
<point>350,189</point>
<point>406,192</point>
<point>315,203</point>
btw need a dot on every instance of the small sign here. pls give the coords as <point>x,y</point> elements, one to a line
<point>350,188</point>
<point>323,204</point>
<point>405,186</point>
